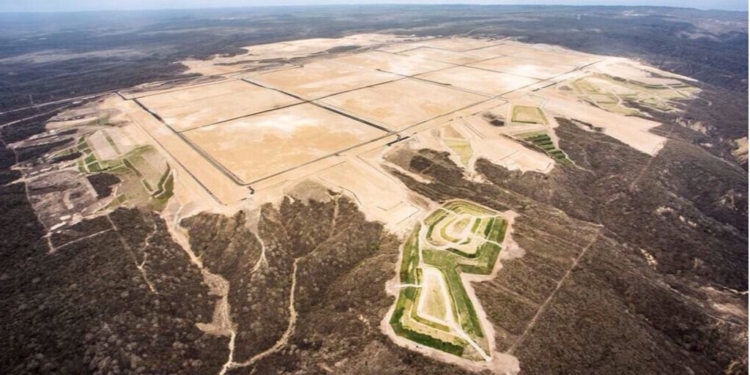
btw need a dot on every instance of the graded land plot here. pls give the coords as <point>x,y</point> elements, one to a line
<point>263,145</point>
<point>315,46</point>
<point>459,44</point>
<point>645,74</point>
<point>380,198</point>
<point>322,78</point>
<point>400,104</point>
<point>392,63</point>
<point>523,67</point>
<point>536,54</point>
<point>528,115</point>
<point>204,105</point>
<point>284,52</point>
<point>460,331</point>
<point>629,129</point>
<point>488,52</point>
<point>441,55</point>
<point>451,44</point>
<point>477,80</point>
<point>103,145</point>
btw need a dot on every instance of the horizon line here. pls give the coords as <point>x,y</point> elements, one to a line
<point>425,4</point>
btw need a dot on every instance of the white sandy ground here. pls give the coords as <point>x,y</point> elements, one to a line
<point>628,69</point>
<point>631,130</point>
<point>321,78</point>
<point>476,80</point>
<point>303,48</point>
<point>402,103</point>
<point>486,141</point>
<point>259,146</point>
<point>208,104</point>
<point>441,55</point>
<point>392,63</point>
<point>523,67</point>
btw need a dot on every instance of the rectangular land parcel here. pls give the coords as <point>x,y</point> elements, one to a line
<point>400,104</point>
<point>263,145</point>
<point>208,104</point>
<point>480,81</point>
<point>322,78</point>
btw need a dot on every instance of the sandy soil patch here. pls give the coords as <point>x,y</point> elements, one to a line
<point>262,145</point>
<point>633,131</point>
<point>641,73</point>
<point>205,105</point>
<point>740,150</point>
<point>278,53</point>
<point>402,103</point>
<point>452,44</point>
<point>459,44</point>
<point>476,80</point>
<point>388,62</point>
<point>101,146</point>
<point>322,78</point>
<point>537,53</point>
<point>307,47</point>
<point>537,69</point>
<point>445,56</point>
<point>379,197</point>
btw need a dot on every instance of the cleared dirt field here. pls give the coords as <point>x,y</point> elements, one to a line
<point>524,67</point>
<point>268,54</point>
<point>459,44</point>
<point>480,81</point>
<point>204,105</point>
<point>445,56</point>
<point>259,146</point>
<point>402,103</point>
<point>380,197</point>
<point>632,130</point>
<point>103,147</point>
<point>642,73</point>
<point>451,44</point>
<point>541,55</point>
<point>323,78</point>
<point>392,63</point>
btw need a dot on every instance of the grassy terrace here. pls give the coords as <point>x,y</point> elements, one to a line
<point>544,143</point>
<point>143,183</point>
<point>528,115</point>
<point>407,299</point>
<point>451,263</point>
